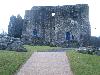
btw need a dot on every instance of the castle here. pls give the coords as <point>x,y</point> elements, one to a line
<point>56,24</point>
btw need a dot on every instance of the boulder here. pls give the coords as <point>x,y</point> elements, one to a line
<point>89,50</point>
<point>3,46</point>
<point>11,43</point>
<point>3,43</point>
<point>16,46</point>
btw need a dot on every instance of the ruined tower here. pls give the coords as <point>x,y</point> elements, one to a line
<point>57,24</point>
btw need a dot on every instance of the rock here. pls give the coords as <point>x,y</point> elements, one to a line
<point>89,50</point>
<point>97,53</point>
<point>3,43</point>
<point>16,46</point>
<point>11,43</point>
<point>3,46</point>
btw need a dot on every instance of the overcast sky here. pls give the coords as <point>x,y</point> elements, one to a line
<point>14,7</point>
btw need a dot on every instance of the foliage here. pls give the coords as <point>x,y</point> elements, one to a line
<point>84,64</point>
<point>89,50</point>
<point>91,41</point>
<point>95,41</point>
<point>15,26</point>
<point>3,34</point>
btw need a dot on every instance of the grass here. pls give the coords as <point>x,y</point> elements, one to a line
<point>10,61</point>
<point>84,64</point>
<point>81,64</point>
<point>40,48</point>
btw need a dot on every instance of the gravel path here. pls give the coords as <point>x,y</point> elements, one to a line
<point>46,63</point>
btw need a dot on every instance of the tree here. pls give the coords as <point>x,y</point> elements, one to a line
<point>15,26</point>
<point>95,41</point>
<point>11,26</point>
<point>19,26</point>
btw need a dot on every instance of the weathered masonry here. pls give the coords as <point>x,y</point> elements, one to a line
<point>56,24</point>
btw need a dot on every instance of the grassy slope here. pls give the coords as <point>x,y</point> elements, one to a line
<point>84,64</point>
<point>10,61</point>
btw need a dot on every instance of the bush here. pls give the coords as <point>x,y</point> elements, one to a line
<point>3,46</point>
<point>89,50</point>
<point>21,49</point>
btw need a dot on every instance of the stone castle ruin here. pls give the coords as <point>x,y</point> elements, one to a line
<point>56,24</point>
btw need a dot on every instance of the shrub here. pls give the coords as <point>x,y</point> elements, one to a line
<point>89,50</point>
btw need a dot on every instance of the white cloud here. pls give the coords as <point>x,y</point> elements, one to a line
<point>14,7</point>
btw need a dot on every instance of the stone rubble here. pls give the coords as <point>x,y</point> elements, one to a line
<point>11,43</point>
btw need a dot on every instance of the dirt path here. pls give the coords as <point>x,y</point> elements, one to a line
<point>46,63</point>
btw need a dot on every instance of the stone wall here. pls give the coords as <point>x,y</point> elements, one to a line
<point>54,23</point>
